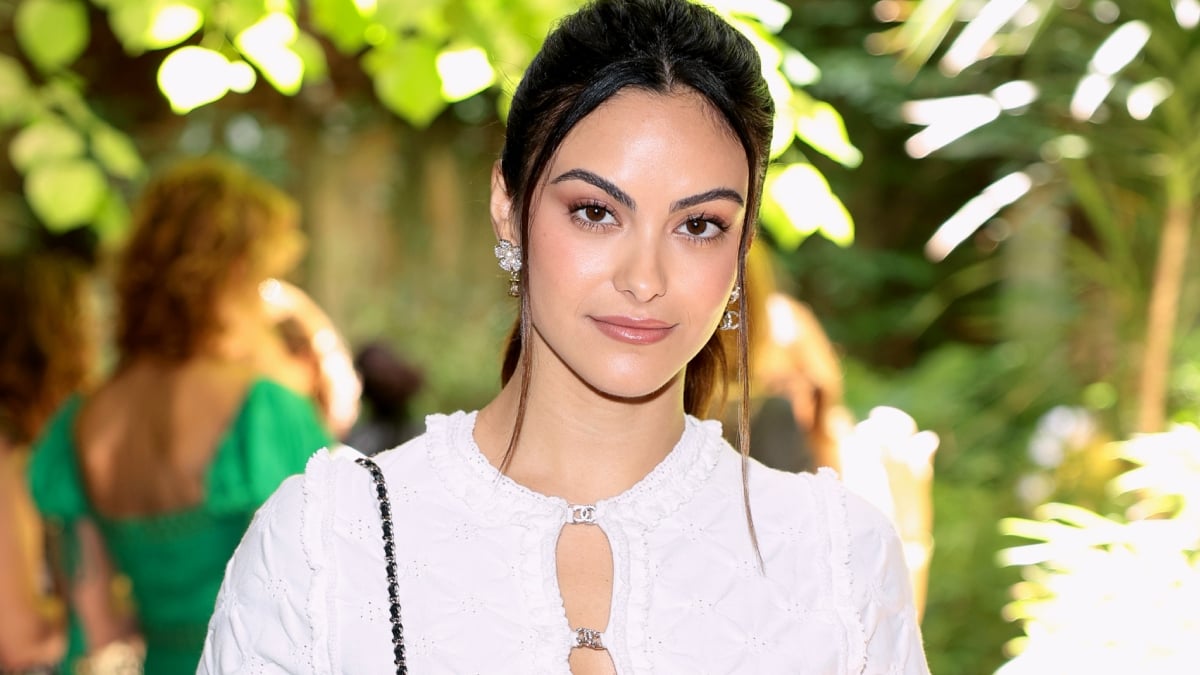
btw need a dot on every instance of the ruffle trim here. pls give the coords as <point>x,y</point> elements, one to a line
<point>316,526</point>
<point>544,599</point>
<point>674,481</point>
<point>467,474</point>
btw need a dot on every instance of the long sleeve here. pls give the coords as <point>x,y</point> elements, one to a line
<point>882,593</point>
<point>261,623</point>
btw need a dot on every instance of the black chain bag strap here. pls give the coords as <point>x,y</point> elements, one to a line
<point>389,553</point>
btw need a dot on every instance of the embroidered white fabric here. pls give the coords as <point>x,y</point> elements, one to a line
<point>479,590</point>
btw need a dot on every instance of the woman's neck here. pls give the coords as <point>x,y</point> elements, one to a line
<point>577,443</point>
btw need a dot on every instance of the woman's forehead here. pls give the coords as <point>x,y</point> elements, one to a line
<point>677,138</point>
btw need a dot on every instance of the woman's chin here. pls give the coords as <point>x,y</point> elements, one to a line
<point>635,387</point>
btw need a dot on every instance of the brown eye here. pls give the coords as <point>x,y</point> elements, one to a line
<point>593,215</point>
<point>701,228</point>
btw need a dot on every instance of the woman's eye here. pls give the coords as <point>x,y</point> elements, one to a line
<point>701,228</point>
<point>594,214</point>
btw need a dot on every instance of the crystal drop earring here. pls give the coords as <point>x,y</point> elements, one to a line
<point>508,255</point>
<point>732,318</point>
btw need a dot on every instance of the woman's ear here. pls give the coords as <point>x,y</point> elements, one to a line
<point>502,207</point>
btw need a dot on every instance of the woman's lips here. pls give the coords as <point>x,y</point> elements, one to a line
<point>632,330</point>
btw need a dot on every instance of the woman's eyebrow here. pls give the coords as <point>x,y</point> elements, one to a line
<point>715,193</point>
<point>623,197</point>
<point>604,184</point>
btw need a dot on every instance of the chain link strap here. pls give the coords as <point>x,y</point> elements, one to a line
<point>389,553</point>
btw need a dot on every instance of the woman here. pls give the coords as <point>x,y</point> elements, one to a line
<point>172,454</point>
<point>583,521</point>
<point>46,354</point>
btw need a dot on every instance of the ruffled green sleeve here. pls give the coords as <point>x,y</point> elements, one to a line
<point>273,436</point>
<point>54,480</point>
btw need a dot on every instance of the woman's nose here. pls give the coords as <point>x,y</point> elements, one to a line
<point>641,271</point>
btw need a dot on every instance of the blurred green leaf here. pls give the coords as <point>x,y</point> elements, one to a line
<point>116,152</point>
<point>822,128</point>
<point>407,81</point>
<point>1071,515</point>
<point>15,91</point>
<point>52,33</point>
<point>919,37</point>
<point>112,220</point>
<point>343,22</point>
<point>238,15</point>
<point>142,25</point>
<point>464,72</point>
<point>799,70</point>
<point>312,56</point>
<point>770,13</point>
<point>268,45</point>
<point>66,193</point>
<point>45,141</point>
<point>193,76</point>
<point>798,202</point>
<point>406,18</point>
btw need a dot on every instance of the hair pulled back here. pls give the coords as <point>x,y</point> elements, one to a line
<point>661,46</point>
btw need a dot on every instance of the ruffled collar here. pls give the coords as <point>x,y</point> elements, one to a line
<point>497,498</point>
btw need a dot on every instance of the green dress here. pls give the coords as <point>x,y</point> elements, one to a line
<point>176,560</point>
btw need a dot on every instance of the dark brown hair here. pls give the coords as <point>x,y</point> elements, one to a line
<point>46,346</point>
<point>661,46</point>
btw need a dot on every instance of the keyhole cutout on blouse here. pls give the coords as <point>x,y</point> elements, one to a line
<point>585,580</point>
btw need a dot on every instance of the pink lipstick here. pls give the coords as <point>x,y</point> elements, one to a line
<point>633,330</point>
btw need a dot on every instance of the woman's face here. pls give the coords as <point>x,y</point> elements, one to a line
<point>633,242</point>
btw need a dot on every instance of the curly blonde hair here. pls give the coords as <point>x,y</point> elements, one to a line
<point>46,347</point>
<point>193,227</point>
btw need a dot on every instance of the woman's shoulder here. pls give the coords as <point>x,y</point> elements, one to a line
<point>52,470</point>
<point>272,435</point>
<point>264,391</point>
<point>270,403</point>
<point>298,514</point>
<point>826,486</point>
<point>305,550</point>
<point>339,471</point>
<point>335,488</point>
<point>818,503</point>
<point>57,435</point>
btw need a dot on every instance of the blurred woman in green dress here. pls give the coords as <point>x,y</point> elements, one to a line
<point>203,416</point>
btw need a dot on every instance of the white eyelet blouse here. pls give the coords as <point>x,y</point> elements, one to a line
<point>306,591</point>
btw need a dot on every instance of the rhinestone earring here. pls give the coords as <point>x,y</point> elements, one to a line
<point>732,318</point>
<point>509,256</point>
